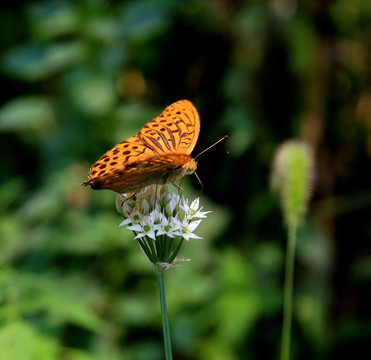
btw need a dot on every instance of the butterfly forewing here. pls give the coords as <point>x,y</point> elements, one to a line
<point>142,160</point>
<point>175,130</point>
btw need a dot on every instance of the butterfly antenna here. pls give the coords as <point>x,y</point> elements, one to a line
<point>224,137</point>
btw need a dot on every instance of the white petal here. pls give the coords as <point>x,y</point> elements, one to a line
<point>186,236</point>
<point>151,234</point>
<point>164,221</point>
<point>175,224</point>
<point>156,215</point>
<point>147,220</point>
<point>193,236</point>
<point>135,227</point>
<point>193,225</point>
<point>201,214</point>
<point>144,206</point>
<point>178,233</point>
<point>170,206</point>
<point>195,204</point>
<point>126,222</point>
<point>157,227</point>
<point>185,206</point>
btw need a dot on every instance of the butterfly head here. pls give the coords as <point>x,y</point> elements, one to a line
<point>191,167</point>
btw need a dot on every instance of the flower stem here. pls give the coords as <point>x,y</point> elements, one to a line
<point>165,321</point>
<point>175,253</point>
<point>288,293</point>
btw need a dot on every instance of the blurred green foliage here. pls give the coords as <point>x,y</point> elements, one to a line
<point>79,77</point>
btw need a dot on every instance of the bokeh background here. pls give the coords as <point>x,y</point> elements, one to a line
<point>77,77</point>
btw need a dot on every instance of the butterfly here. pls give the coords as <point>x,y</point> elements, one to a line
<point>158,154</point>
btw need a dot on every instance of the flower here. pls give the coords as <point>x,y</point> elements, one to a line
<point>160,223</point>
<point>169,226</point>
<point>146,226</point>
<point>187,230</point>
<point>193,211</point>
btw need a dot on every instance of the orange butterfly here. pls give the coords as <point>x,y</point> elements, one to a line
<point>158,154</point>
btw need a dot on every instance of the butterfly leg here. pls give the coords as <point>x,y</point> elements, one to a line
<point>129,198</point>
<point>120,201</point>
<point>180,189</point>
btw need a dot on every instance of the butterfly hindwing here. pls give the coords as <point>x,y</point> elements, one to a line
<point>135,176</point>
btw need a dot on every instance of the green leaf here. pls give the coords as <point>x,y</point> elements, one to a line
<point>27,113</point>
<point>51,19</point>
<point>35,62</point>
<point>144,19</point>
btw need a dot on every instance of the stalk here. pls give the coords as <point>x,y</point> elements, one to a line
<point>164,317</point>
<point>288,293</point>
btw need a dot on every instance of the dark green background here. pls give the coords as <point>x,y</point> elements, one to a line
<point>77,77</point>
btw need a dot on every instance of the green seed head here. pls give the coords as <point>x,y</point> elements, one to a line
<point>292,178</point>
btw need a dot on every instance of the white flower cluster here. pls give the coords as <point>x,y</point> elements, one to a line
<point>151,215</point>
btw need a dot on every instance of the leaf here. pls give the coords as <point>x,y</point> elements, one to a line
<point>51,19</point>
<point>36,62</point>
<point>143,20</point>
<point>27,113</point>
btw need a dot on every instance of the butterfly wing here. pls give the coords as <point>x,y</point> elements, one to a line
<point>175,130</point>
<point>137,175</point>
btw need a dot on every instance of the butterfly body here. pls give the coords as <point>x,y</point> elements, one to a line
<point>158,154</point>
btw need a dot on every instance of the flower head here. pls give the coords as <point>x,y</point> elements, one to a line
<point>160,223</point>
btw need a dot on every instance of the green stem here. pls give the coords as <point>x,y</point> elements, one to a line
<point>147,250</point>
<point>288,292</point>
<point>169,245</point>
<point>176,251</point>
<point>165,321</point>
